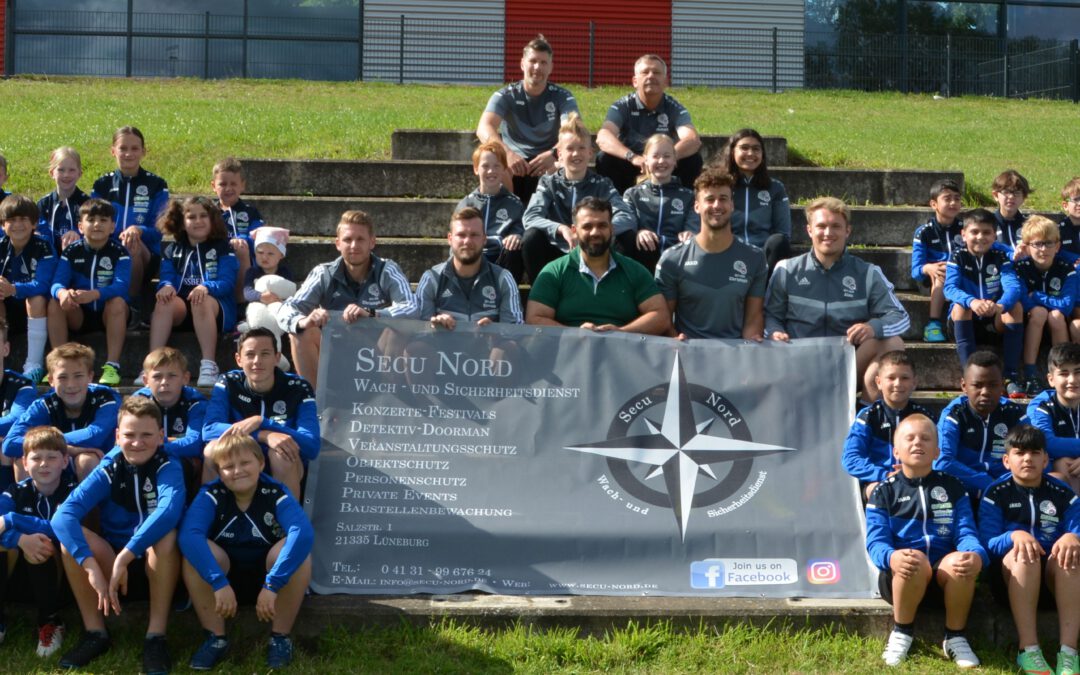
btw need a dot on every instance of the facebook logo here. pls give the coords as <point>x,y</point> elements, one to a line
<point>706,574</point>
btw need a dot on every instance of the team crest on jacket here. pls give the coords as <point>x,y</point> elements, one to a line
<point>502,214</point>
<point>142,191</point>
<point>373,291</point>
<point>242,216</point>
<point>1055,284</point>
<point>662,122</point>
<point>677,205</point>
<point>849,285</point>
<point>991,270</point>
<point>700,444</point>
<point>489,293</point>
<point>1046,506</point>
<point>1001,430</point>
<point>280,408</point>
<point>958,241</point>
<point>740,267</point>
<point>105,264</point>
<point>178,425</point>
<point>550,108</point>
<point>211,254</point>
<point>764,197</point>
<point>940,494</point>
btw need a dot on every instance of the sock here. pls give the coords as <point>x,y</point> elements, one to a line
<point>933,320</point>
<point>1071,651</point>
<point>104,632</point>
<point>950,633</point>
<point>114,364</point>
<point>274,634</point>
<point>965,340</point>
<point>905,628</point>
<point>1013,344</point>
<point>37,333</point>
<point>151,636</point>
<point>1029,371</point>
<point>1032,648</point>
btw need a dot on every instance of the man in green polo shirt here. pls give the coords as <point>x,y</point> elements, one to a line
<point>595,288</point>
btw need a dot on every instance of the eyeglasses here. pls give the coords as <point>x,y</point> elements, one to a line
<point>1042,245</point>
<point>1073,200</point>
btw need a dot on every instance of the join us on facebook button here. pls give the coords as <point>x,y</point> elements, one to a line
<point>714,573</point>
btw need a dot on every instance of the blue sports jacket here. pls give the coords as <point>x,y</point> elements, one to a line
<point>1046,512</point>
<point>868,449</point>
<point>95,427</point>
<point>972,447</point>
<point>1060,424</point>
<point>990,277</point>
<point>1055,288</point>
<point>106,270</point>
<point>138,200</point>
<point>183,422</point>
<point>59,216</point>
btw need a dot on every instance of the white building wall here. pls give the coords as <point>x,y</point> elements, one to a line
<point>743,33</point>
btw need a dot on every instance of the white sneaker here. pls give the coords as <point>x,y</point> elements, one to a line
<point>897,648</point>
<point>208,374</point>
<point>959,651</point>
<point>138,380</point>
<point>283,364</point>
<point>50,637</point>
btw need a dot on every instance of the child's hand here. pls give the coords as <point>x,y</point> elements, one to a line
<point>685,235</point>
<point>1026,548</point>
<point>239,247</point>
<point>268,298</point>
<point>283,445</point>
<point>445,320</point>
<point>905,563</point>
<point>647,240</point>
<point>96,578</point>
<point>264,605</point>
<point>984,308</point>
<point>244,427</point>
<point>225,602</point>
<point>567,233</point>
<point>69,238</point>
<point>166,294</point>
<point>1021,251</point>
<point>68,298</point>
<point>7,289</point>
<point>512,242</point>
<point>131,237</point>
<point>36,548</point>
<point>1066,551</point>
<point>197,295</point>
<point>118,581</point>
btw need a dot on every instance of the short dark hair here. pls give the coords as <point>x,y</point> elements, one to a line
<point>538,44</point>
<point>257,332</point>
<point>140,406</point>
<point>97,207</point>
<point>467,213</point>
<point>981,216</point>
<point>713,177</point>
<point>896,357</point>
<point>1010,179</point>
<point>984,359</point>
<point>1064,354</point>
<point>945,184</point>
<point>1025,437</point>
<point>15,206</point>
<point>593,204</point>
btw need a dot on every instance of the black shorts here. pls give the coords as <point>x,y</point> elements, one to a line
<point>247,571</point>
<point>16,316</point>
<point>93,321</point>
<point>1001,592</point>
<point>934,596</point>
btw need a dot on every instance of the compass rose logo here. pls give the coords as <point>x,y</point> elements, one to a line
<point>679,447</point>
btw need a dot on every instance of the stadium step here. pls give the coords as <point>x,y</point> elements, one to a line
<point>459,145</point>
<point>449,180</point>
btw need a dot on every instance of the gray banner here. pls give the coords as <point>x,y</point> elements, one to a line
<point>525,460</point>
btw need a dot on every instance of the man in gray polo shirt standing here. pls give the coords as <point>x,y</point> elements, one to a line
<point>714,283</point>
<point>525,117</point>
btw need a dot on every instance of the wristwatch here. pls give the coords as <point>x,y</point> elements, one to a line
<point>630,155</point>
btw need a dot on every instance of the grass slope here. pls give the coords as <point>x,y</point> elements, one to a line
<point>191,123</point>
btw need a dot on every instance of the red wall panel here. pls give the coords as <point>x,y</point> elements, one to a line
<point>622,30</point>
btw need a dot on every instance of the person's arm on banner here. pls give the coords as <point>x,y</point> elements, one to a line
<point>509,300</point>
<point>305,301</point>
<point>653,319</point>
<point>425,295</point>
<point>890,319</point>
<point>543,298</point>
<point>776,304</point>
<point>403,304</point>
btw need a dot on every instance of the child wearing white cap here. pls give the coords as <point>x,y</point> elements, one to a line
<point>268,282</point>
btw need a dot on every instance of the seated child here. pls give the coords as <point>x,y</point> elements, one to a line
<point>1049,288</point>
<point>268,283</point>
<point>183,408</point>
<point>25,510</point>
<point>1010,190</point>
<point>1056,412</point>
<point>90,288</point>
<point>973,426</point>
<point>27,263</point>
<point>985,294</point>
<point>139,493</point>
<point>58,211</point>
<point>84,412</point>
<point>662,205</point>
<point>868,451</point>
<point>197,281</point>
<point>16,395</point>
<point>934,244</point>
<point>241,219</point>
<point>922,551</point>
<point>245,527</point>
<point>1069,225</point>
<point>1031,546</point>
<point>501,208</point>
<point>275,408</point>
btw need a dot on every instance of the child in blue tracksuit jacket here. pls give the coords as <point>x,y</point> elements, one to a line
<point>1069,225</point>
<point>27,263</point>
<point>1010,191</point>
<point>1030,524</point>
<point>58,211</point>
<point>241,218</point>
<point>139,492</point>
<point>183,408</point>
<point>920,533</point>
<point>197,280</point>
<point>139,197</point>
<point>935,241</point>
<point>1056,412</point>
<point>980,283</point>
<point>253,522</point>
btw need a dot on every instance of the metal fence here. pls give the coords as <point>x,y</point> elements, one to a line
<point>404,49</point>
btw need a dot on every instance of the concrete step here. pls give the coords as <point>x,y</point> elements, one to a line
<point>454,145</point>
<point>327,178</point>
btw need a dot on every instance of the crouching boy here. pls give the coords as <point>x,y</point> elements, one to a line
<point>243,528</point>
<point>140,492</point>
<point>921,534</point>
<point>1029,523</point>
<point>25,510</point>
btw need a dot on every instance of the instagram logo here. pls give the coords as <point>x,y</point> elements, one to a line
<point>823,571</point>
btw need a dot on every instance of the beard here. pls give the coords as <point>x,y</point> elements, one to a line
<point>595,248</point>
<point>467,258</point>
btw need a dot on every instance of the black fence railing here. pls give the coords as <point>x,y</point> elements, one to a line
<point>404,49</point>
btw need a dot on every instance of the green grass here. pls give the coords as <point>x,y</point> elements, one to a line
<point>451,647</point>
<point>190,123</point>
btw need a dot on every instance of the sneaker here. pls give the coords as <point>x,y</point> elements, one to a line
<point>897,648</point>
<point>279,653</point>
<point>1067,664</point>
<point>958,649</point>
<point>91,646</point>
<point>36,374</point>
<point>208,374</point>
<point>110,375</point>
<point>1014,389</point>
<point>155,656</point>
<point>1033,662</point>
<point>209,653</point>
<point>933,332</point>
<point>1033,387</point>
<point>50,637</point>
<point>138,380</point>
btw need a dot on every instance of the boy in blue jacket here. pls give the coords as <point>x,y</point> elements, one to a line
<point>139,492</point>
<point>25,510</point>
<point>1056,412</point>
<point>920,533</point>
<point>1030,524</point>
<point>27,263</point>
<point>985,294</point>
<point>245,527</point>
<point>935,241</point>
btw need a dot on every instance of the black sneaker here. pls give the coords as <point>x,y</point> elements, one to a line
<point>1033,387</point>
<point>155,656</point>
<point>91,646</point>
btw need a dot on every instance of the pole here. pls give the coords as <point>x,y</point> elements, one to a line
<point>775,60</point>
<point>592,51</point>
<point>130,36</point>
<point>244,43</point>
<point>206,47</point>
<point>360,42</point>
<point>401,52</point>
